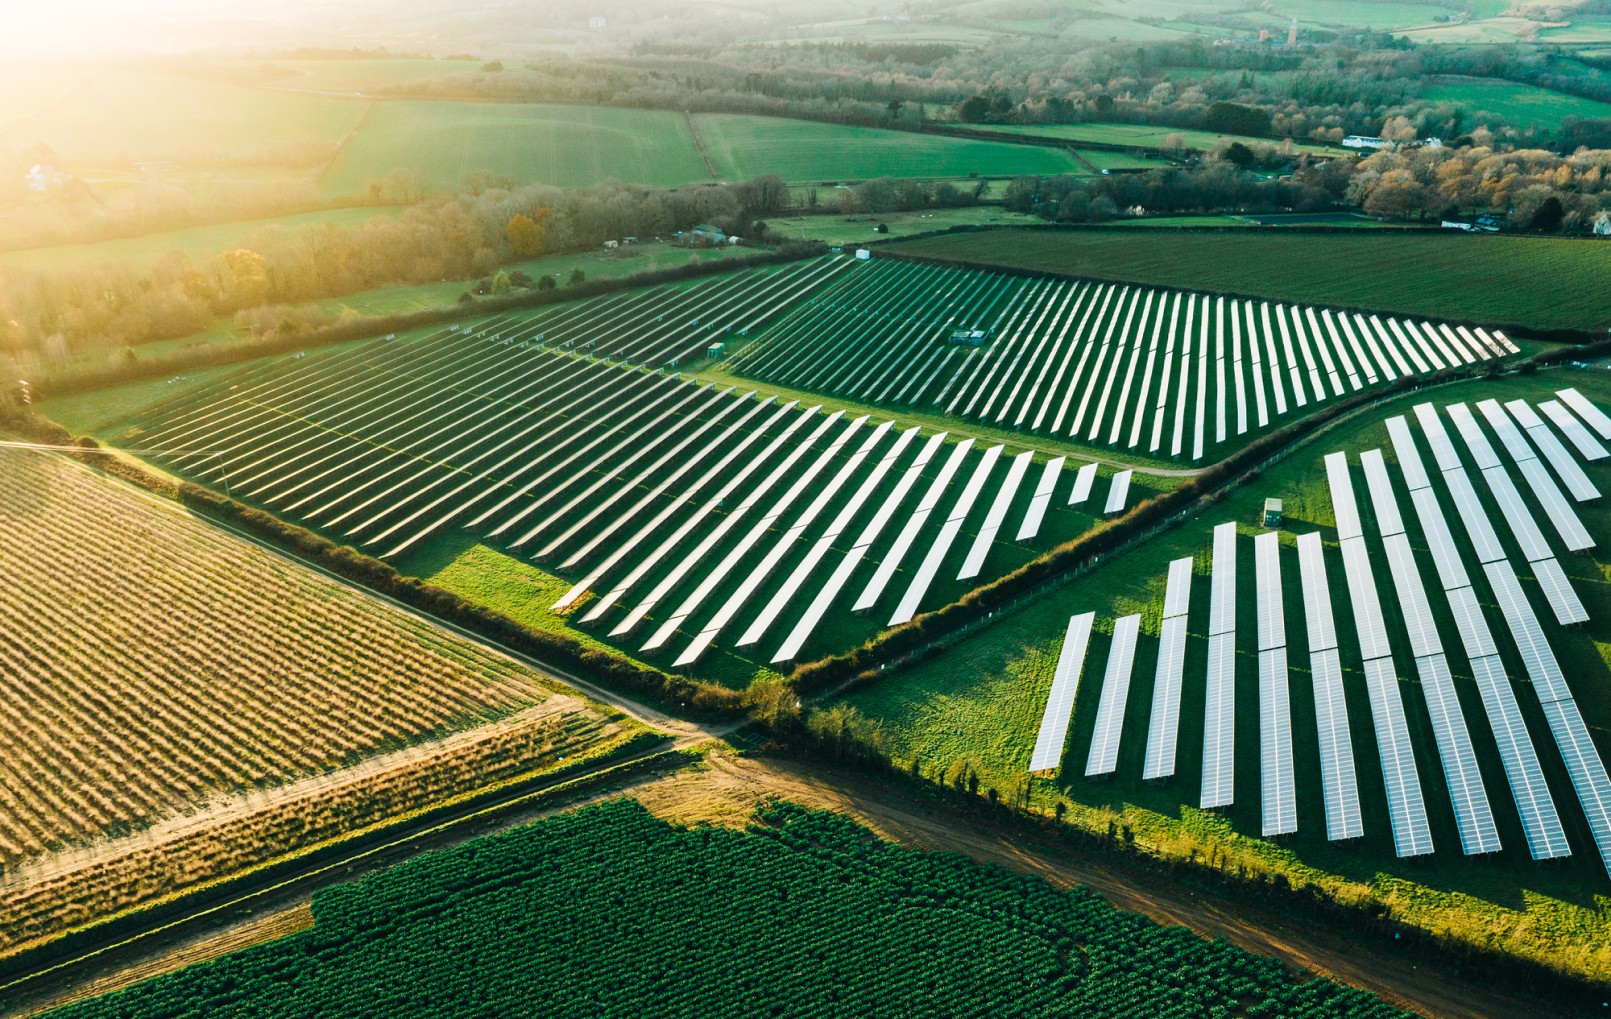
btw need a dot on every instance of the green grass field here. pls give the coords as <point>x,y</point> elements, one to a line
<point>1436,275</point>
<point>198,243</point>
<point>742,147</point>
<point>1518,106</point>
<point>565,146</point>
<point>1145,136</point>
<point>978,705</point>
<point>108,115</point>
<point>858,229</point>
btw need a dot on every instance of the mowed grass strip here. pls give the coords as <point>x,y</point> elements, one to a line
<point>1151,136</point>
<point>742,147</point>
<point>566,146</point>
<point>1486,279</point>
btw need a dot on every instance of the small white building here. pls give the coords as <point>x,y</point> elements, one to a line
<point>596,22</point>
<point>41,177</point>
<point>1365,141</point>
<point>863,254</point>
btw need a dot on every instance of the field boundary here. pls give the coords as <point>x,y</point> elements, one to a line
<point>699,143</point>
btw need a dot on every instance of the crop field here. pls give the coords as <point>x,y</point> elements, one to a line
<point>172,686</point>
<point>1460,566</point>
<point>565,146</point>
<point>1431,276</point>
<point>1512,104</point>
<point>887,333</point>
<point>803,914</point>
<point>664,512</point>
<point>743,147</point>
<point>1147,136</point>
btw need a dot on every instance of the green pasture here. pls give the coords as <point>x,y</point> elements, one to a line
<point>743,147</point>
<point>362,75</point>
<point>1437,275</point>
<point>978,706</point>
<point>837,229</point>
<point>1493,103</point>
<point>197,243</point>
<point>1146,136</point>
<point>565,146</point>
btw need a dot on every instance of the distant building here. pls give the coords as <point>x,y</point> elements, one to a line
<point>970,337</point>
<point>1457,224</point>
<point>1490,223</point>
<point>711,234</point>
<point>43,177</point>
<point>1292,33</point>
<point>596,22</point>
<point>863,254</point>
<point>1365,141</point>
<point>1272,513</point>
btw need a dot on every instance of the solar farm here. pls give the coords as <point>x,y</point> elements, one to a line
<point>1161,374</point>
<point>678,514</point>
<point>1446,549</point>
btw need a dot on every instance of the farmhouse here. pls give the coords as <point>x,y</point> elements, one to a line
<point>42,177</point>
<point>970,337</point>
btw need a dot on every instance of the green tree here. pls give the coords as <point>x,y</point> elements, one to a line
<point>577,277</point>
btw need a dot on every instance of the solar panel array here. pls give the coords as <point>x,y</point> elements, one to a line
<point>974,564</point>
<point>1472,813</point>
<point>1164,730</point>
<point>1588,447</point>
<point>1094,362</point>
<point>1541,824</point>
<point>1278,796</point>
<point>1219,708</point>
<point>1338,782</point>
<point>1048,752</point>
<point>1591,415</point>
<point>1119,493</point>
<point>1412,835</point>
<point>1042,501</point>
<point>1104,755</point>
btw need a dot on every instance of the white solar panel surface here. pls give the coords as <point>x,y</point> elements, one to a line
<point>1030,528</point>
<point>1472,814</point>
<point>1164,730</point>
<point>1048,753</point>
<point>1104,755</point>
<point>1338,780</point>
<point>1342,496</point>
<point>1475,636</point>
<point>1517,515</point>
<point>1084,478</point>
<point>1417,611</point>
<point>1482,451</point>
<point>1586,770</point>
<point>1384,503</point>
<point>1409,458</point>
<point>1556,508</point>
<point>1278,798</point>
<point>1317,595</point>
<point>1118,493</point>
<point>1222,581</point>
<point>1177,595</point>
<point>1437,437</point>
<point>1368,622</point>
<point>1541,825</point>
<point>1592,415</point>
<point>1412,835</point>
<point>1219,723</point>
<point>943,541</point>
<point>1473,517</point>
<point>995,516</point>
<point>1588,447</point>
<point>1555,452</point>
<point>914,523</point>
<point>1563,600</point>
<point>1435,526</point>
<point>1537,658</point>
<point>1267,571</point>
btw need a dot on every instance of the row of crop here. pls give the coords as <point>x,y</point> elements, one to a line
<point>805,914</point>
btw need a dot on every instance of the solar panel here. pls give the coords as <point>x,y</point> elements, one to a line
<point>1412,836</point>
<point>1222,581</point>
<point>1219,723</point>
<point>1537,658</point>
<point>1383,502</point>
<point>1104,755</point>
<point>1475,636</point>
<point>1030,528</point>
<point>1342,496</point>
<point>1586,770</point>
<point>1510,436</point>
<point>1177,595</point>
<point>1472,814</point>
<point>1557,510</point>
<point>1368,622</point>
<point>1317,595</point>
<point>1558,592</point>
<point>1048,753</point>
<point>1591,414</point>
<point>1267,570</point>
<point>1554,451</point>
<point>1445,555</point>
<point>1437,437</point>
<point>1517,515</point>
<point>1473,517</point>
<point>908,534</point>
<point>980,549</point>
<point>1165,727</point>
<point>1588,447</point>
<point>1409,458</point>
<point>1482,451</point>
<point>1540,823</point>
<point>1418,620</point>
<point>1083,479</point>
<point>943,541</point>
<point>1338,781</point>
<point>1277,792</point>
<point>1118,493</point>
